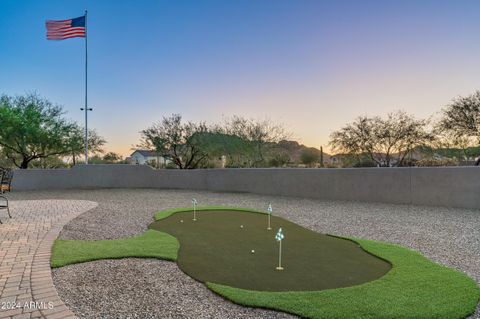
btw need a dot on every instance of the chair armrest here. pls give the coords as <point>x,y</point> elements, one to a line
<point>4,198</point>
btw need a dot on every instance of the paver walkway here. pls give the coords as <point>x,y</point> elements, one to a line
<point>26,286</point>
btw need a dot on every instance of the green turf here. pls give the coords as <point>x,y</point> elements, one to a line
<point>152,244</point>
<point>414,288</point>
<point>215,248</point>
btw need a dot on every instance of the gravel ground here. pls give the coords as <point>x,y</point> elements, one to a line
<point>143,288</point>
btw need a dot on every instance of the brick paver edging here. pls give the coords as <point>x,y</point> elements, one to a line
<point>26,285</point>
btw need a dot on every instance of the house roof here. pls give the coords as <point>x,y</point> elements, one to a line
<point>146,153</point>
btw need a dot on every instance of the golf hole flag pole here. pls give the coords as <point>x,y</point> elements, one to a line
<point>279,237</point>
<point>194,203</point>
<point>269,209</point>
<point>67,29</point>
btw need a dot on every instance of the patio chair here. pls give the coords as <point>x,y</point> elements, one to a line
<point>6,180</point>
<point>6,176</point>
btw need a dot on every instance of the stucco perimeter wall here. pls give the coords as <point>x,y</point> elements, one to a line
<point>445,186</point>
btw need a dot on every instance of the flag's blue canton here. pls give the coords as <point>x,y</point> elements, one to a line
<point>78,22</point>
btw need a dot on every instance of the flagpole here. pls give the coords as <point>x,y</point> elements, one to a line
<point>86,92</point>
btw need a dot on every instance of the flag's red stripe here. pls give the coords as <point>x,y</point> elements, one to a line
<point>59,26</point>
<point>58,21</point>
<point>64,35</point>
<point>63,28</point>
<point>66,38</point>
<point>69,37</point>
<point>66,31</point>
<point>51,24</point>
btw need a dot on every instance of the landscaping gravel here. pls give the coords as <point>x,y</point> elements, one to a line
<point>143,288</point>
<point>147,288</point>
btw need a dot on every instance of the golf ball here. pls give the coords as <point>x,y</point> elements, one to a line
<point>241,226</point>
<point>253,251</point>
<point>181,221</point>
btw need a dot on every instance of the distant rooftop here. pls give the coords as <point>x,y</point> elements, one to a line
<point>146,153</point>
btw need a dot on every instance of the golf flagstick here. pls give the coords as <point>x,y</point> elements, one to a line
<point>269,214</point>
<point>194,202</point>
<point>279,237</point>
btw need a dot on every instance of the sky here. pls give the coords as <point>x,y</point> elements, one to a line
<point>311,65</point>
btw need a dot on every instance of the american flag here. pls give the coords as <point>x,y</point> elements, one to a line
<point>66,29</point>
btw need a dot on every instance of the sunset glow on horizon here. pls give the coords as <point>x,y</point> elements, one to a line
<point>311,65</point>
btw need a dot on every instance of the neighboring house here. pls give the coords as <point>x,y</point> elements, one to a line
<point>142,157</point>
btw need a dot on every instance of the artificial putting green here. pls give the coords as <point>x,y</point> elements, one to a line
<point>217,248</point>
<point>414,287</point>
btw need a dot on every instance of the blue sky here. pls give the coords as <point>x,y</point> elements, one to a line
<point>312,65</point>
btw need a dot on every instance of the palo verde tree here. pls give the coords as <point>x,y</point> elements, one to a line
<point>32,128</point>
<point>258,137</point>
<point>387,141</point>
<point>460,123</point>
<point>180,142</point>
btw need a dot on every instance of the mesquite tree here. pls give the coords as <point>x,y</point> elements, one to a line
<point>387,141</point>
<point>182,143</point>
<point>460,122</point>
<point>76,142</point>
<point>258,137</point>
<point>32,128</point>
